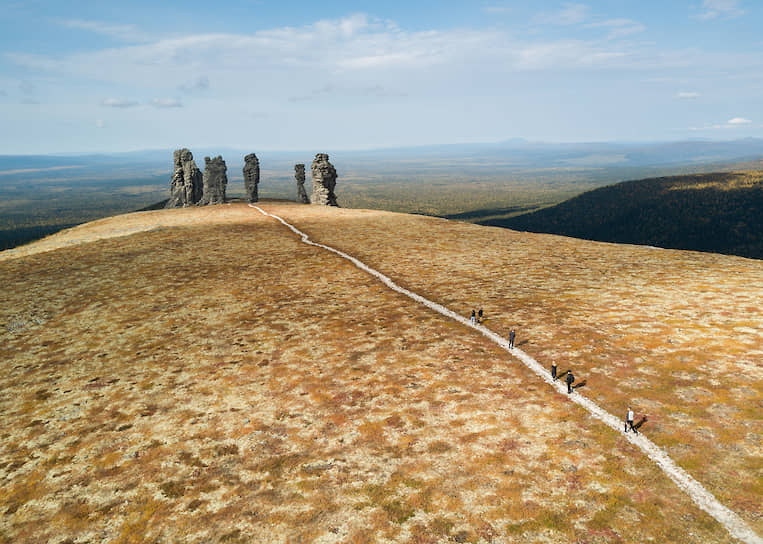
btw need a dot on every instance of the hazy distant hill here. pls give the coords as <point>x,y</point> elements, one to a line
<point>721,213</point>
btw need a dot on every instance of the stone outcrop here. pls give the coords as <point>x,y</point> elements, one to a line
<point>299,174</point>
<point>186,187</point>
<point>251,176</point>
<point>215,181</point>
<point>324,181</point>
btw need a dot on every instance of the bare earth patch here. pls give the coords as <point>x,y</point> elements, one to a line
<point>215,380</point>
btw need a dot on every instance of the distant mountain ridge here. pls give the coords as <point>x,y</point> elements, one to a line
<point>719,213</point>
<point>517,152</point>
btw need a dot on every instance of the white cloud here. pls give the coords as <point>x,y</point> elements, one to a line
<point>687,95</point>
<point>570,14</point>
<point>353,53</point>
<point>338,48</point>
<point>166,103</point>
<point>715,9</point>
<point>736,122</point>
<point>99,123</point>
<point>118,103</point>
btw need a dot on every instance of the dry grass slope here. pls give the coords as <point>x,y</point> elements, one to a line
<point>215,380</point>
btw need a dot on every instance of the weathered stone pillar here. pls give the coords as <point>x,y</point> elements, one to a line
<point>251,176</point>
<point>299,174</point>
<point>215,181</point>
<point>324,181</point>
<point>186,185</point>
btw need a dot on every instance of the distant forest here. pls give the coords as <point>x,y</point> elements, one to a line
<point>719,213</point>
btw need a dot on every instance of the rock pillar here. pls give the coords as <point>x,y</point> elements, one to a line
<point>324,181</point>
<point>187,184</point>
<point>299,174</point>
<point>251,176</point>
<point>215,181</point>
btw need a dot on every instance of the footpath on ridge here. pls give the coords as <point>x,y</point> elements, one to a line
<point>705,500</point>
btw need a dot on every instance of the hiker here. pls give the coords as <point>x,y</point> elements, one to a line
<point>629,421</point>
<point>512,335</point>
<point>473,318</point>
<point>569,379</point>
<point>479,315</point>
<point>553,370</point>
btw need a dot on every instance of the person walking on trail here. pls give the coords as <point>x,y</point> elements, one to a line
<point>473,318</point>
<point>479,315</point>
<point>512,335</point>
<point>553,371</point>
<point>629,421</point>
<point>569,379</point>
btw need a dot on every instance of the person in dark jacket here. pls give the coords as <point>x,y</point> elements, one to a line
<point>473,318</point>
<point>479,315</point>
<point>553,370</point>
<point>512,335</point>
<point>569,379</point>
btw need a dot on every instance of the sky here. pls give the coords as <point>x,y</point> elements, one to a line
<point>103,76</point>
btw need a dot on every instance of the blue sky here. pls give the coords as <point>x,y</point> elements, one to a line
<point>82,76</point>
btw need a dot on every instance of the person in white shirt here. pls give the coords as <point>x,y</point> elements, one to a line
<point>629,421</point>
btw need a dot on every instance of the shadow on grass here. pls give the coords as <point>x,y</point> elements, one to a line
<point>641,421</point>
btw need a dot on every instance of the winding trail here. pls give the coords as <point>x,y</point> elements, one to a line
<point>705,500</point>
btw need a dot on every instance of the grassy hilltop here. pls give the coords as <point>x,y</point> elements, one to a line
<point>199,375</point>
<point>720,212</point>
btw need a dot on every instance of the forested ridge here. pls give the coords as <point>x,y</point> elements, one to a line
<point>718,212</point>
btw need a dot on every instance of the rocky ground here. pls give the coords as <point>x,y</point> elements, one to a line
<point>209,378</point>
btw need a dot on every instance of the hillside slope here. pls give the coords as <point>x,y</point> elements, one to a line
<point>201,375</point>
<point>720,213</point>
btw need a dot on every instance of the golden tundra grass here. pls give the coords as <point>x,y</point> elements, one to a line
<point>215,380</point>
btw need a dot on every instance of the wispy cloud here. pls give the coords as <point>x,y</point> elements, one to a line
<point>113,30</point>
<point>735,122</point>
<point>326,90</point>
<point>687,95</point>
<point>201,83</point>
<point>570,14</point>
<point>350,52</point>
<point>329,90</point>
<point>166,103</point>
<point>720,9</point>
<point>497,8</point>
<point>118,103</point>
<point>618,28</point>
<point>99,123</point>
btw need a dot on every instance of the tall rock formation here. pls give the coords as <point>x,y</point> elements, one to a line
<point>251,176</point>
<point>215,181</point>
<point>324,181</point>
<point>299,174</point>
<point>186,185</point>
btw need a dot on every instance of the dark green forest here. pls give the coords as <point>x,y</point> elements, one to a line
<point>718,212</point>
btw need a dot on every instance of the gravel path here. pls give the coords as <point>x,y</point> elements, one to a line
<point>701,496</point>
